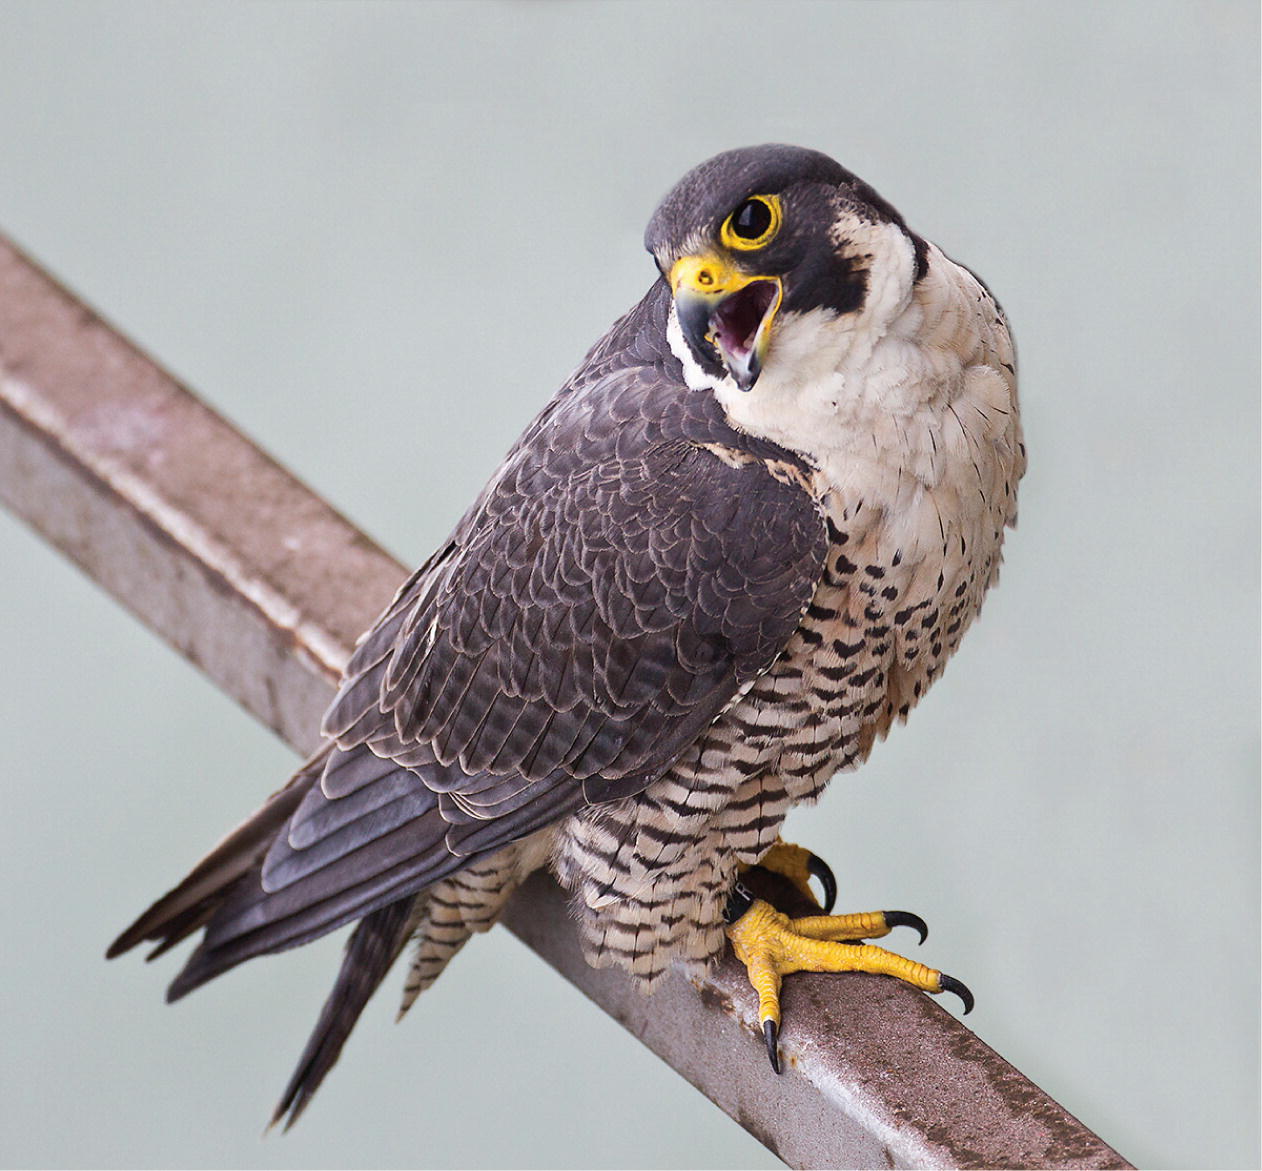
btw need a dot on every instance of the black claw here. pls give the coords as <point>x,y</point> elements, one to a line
<point>907,919</point>
<point>769,1035</point>
<point>738,902</point>
<point>951,984</point>
<point>821,870</point>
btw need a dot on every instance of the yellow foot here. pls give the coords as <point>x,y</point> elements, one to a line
<point>771,945</point>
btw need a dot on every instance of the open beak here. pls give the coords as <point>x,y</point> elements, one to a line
<point>725,314</point>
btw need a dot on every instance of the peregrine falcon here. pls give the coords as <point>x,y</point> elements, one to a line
<point>739,543</point>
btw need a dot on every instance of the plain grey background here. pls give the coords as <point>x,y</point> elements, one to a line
<point>378,237</point>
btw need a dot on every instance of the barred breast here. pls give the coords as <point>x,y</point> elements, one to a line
<point>654,871</point>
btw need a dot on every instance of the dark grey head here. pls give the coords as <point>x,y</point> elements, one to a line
<point>764,232</point>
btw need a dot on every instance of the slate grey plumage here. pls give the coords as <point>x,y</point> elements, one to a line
<point>679,607</point>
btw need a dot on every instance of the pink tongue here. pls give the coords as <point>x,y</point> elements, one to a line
<point>733,340</point>
<point>739,317</point>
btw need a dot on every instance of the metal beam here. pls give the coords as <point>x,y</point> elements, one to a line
<point>265,587</point>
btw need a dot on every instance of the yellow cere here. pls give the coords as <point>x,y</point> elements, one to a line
<point>708,275</point>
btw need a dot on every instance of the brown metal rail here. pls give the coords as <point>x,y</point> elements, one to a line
<point>265,587</point>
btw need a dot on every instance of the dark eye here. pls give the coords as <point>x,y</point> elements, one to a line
<point>751,220</point>
<point>754,223</point>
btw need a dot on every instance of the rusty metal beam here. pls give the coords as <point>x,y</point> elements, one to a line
<point>265,587</point>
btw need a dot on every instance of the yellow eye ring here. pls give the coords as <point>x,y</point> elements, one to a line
<point>754,224</point>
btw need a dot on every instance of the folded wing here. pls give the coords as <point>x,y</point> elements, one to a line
<point>632,564</point>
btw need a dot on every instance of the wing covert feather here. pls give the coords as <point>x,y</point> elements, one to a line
<point>616,576</point>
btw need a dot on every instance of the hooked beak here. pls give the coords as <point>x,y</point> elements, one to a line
<point>725,315</point>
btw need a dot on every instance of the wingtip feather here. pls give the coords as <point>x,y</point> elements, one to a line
<point>186,907</point>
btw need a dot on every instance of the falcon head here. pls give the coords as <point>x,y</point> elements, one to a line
<point>767,244</point>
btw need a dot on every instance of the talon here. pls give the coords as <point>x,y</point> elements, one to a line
<point>907,919</point>
<point>770,1032</point>
<point>798,865</point>
<point>738,902</point>
<point>951,984</point>
<point>821,870</point>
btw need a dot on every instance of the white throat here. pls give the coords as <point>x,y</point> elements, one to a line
<point>905,406</point>
<point>828,378</point>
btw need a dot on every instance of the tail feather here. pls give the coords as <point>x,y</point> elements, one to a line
<point>249,921</point>
<point>373,947</point>
<point>364,853</point>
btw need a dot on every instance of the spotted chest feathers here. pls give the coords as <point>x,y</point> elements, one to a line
<point>917,452</point>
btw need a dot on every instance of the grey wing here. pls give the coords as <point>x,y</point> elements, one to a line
<point>611,591</point>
